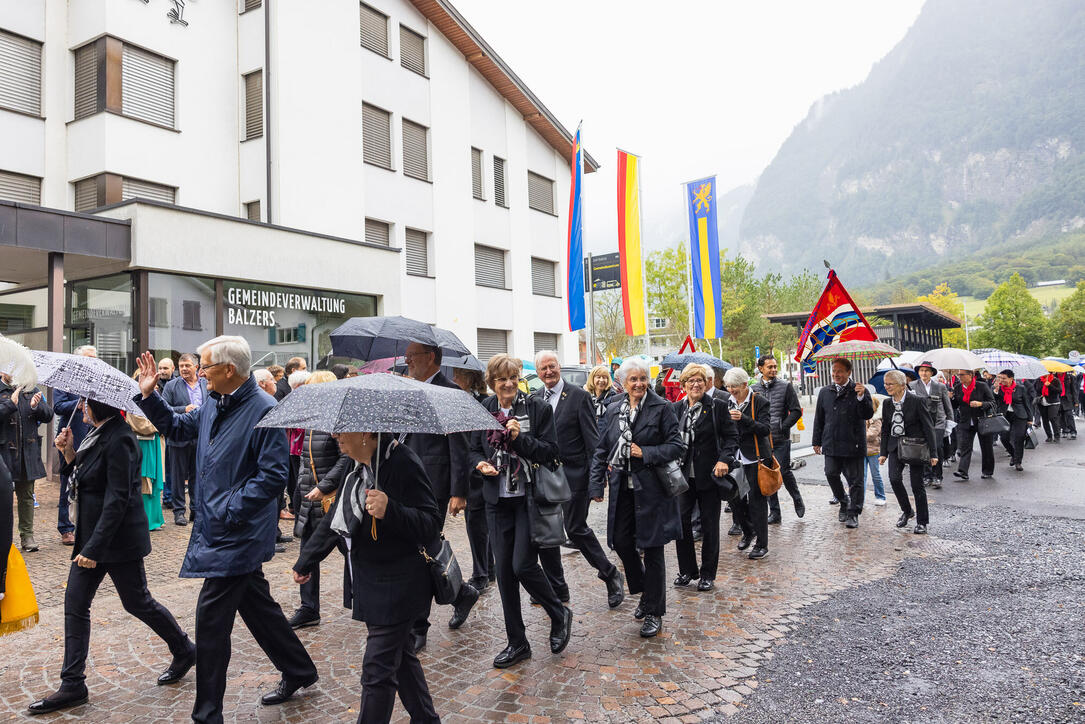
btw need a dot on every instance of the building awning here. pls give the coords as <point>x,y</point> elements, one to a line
<point>921,314</point>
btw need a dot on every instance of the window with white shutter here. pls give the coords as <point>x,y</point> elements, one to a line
<point>20,188</point>
<point>476,174</point>
<point>499,182</point>
<point>20,73</point>
<point>415,150</point>
<point>147,86</point>
<point>546,342</point>
<point>86,194</point>
<point>489,267</point>
<point>254,104</point>
<point>412,50</point>
<point>132,188</point>
<point>544,277</point>
<point>540,193</point>
<point>374,30</point>
<point>417,248</point>
<point>378,232</point>
<point>252,211</point>
<point>491,342</point>
<point>86,81</point>
<point>376,136</point>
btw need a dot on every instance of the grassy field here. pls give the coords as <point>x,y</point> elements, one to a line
<point>1045,295</point>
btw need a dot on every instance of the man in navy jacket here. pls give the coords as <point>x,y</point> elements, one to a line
<point>840,435</point>
<point>241,472</point>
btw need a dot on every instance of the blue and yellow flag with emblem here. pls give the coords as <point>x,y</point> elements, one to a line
<point>704,253</point>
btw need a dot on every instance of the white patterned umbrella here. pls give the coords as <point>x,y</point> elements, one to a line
<point>87,377</point>
<point>1023,366</point>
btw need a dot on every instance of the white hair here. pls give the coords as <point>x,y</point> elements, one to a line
<point>736,376</point>
<point>229,350</point>
<point>263,375</point>
<point>298,378</point>
<point>543,354</point>
<point>896,377</point>
<point>628,365</point>
<point>710,374</point>
<point>86,350</point>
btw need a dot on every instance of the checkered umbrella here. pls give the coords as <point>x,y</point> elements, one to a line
<point>1023,366</point>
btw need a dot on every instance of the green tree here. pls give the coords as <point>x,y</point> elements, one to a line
<point>946,299</point>
<point>666,284</point>
<point>1013,320</point>
<point>1068,324</point>
<point>610,334</point>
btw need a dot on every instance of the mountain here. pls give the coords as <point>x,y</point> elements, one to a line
<point>969,133</point>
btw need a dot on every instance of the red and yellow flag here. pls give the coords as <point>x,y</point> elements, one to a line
<point>632,267</point>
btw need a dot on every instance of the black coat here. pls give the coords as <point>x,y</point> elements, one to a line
<point>20,443</point>
<point>445,457</point>
<point>1054,390</point>
<point>577,433</point>
<point>1022,405</point>
<point>969,416</point>
<point>110,521</point>
<point>655,430</point>
<point>715,439</point>
<point>839,421</point>
<point>754,435</point>
<point>391,581</point>
<point>538,445</point>
<point>175,394</point>
<point>917,422</point>
<point>322,466</point>
<point>282,388</point>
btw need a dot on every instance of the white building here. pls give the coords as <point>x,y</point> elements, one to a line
<point>348,158</point>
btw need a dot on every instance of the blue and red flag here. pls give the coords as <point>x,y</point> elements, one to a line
<point>574,263</point>
<point>835,318</point>
<point>704,254</point>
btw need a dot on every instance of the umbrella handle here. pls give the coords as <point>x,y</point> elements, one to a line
<point>81,399</point>
<point>373,528</point>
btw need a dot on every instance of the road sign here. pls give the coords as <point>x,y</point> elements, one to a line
<point>757,352</point>
<point>606,272</point>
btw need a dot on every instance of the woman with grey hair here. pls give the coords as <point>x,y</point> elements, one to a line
<point>904,415</point>
<point>752,415</point>
<point>639,432</point>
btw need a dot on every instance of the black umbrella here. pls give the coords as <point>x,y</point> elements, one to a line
<point>372,338</point>
<point>679,361</point>
<point>380,402</point>
<point>448,364</point>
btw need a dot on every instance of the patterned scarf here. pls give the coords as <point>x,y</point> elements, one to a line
<point>504,459</point>
<point>600,406</point>
<point>620,457</point>
<point>689,425</point>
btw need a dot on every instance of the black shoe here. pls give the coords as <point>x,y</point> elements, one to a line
<point>852,521</point>
<point>280,548</point>
<point>920,529</point>
<point>60,700</point>
<point>682,580</point>
<point>285,690</point>
<point>179,517</point>
<point>986,476</point>
<point>705,584</point>
<point>304,617</point>
<point>466,601</point>
<point>959,474</point>
<point>638,612</point>
<point>927,482</point>
<point>280,538</point>
<point>1018,467</point>
<point>512,655</point>
<point>834,501</point>
<point>615,588</point>
<point>800,507</point>
<point>560,631</point>
<point>758,553</point>
<point>936,483</point>
<point>735,529</point>
<point>774,518</point>
<point>843,514</point>
<point>903,519</point>
<point>178,668</point>
<point>417,642</point>
<point>726,507</point>
<point>745,542</point>
<point>479,583</point>
<point>698,534</point>
<point>652,626</point>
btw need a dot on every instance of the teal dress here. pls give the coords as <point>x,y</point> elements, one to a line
<point>154,469</point>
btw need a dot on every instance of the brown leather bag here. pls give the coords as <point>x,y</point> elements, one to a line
<point>768,479</point>
<point>327,500</point>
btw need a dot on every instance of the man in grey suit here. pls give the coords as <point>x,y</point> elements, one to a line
<point>936,396</point>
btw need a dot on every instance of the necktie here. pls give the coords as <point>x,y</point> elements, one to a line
<point>548,394</point>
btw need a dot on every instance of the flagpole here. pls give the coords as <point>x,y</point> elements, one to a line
<point>644,285</point>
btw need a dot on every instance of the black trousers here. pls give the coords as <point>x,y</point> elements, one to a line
<point>130,580</point>
<point>1068,425</point>
<point>478,536</point>
<point>1051,416</point>
<point>781,450</point>
<point>182,462</point>
<point>934,472</point>
<point>708,500</point>
<point>580,533</point>
<point>1014,439</point>
<point>389,667</point>
<point>967,437</point>
<point>647,577</point>
<point>915,477</point>
<point>517,560</point>
<point>751,512</point>
<point>310,590</point>
<point>221,599</point>
<point>852,470</point>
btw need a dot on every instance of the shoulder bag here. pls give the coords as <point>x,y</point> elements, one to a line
<point>769,479</point>
<point>444,572</point>
<point>550,485</point>
<point>672,478</point>
<point>913,450</point>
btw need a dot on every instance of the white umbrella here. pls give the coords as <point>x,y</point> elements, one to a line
<point>951,358</point>
<point>1024,367</point>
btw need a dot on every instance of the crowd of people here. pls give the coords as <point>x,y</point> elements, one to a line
<point>665,469</point>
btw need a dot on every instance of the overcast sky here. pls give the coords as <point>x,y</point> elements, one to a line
<point>695,88</point>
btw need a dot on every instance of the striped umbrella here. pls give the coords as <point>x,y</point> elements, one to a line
<point>1023,366</point>
<point>854,350</point>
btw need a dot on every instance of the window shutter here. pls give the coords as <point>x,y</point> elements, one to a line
<point>543,277</point>
<point>377,232</point>
<point>491,342</point>
<point>251,5</point>
<point>376,136</point>
<point>131,188</point>
<point>415,152</point>
<point>412,50</point>
<point>417,252</point>
<point>86,194</point>
<point>86,81</point>
<point>499,182</point>
<point>374,30</point>
<point>158,312</point>
<point>254,104</point>
<point>20,188</point>
<point>20,74</point>
<point>489,267</point>
<point>147,86</point>
<point>540,193</point>
<point>252,211</point>
<point>476,173</point>
<point>546,341</point>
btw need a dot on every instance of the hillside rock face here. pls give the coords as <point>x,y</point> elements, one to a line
<point>970,132</point>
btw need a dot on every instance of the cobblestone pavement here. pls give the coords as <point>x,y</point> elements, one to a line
<point>703,664</point>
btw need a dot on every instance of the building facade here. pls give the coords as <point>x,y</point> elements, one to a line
<point>280,166</point>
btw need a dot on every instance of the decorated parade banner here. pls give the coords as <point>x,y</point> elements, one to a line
<point>574,251</point>
<point>629,243</point>
<point>704,254</point>
<point>835,318</point>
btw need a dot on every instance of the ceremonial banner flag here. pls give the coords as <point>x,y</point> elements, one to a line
<point>629,243</point>
<point>574,257</point>
<point>835,318</point>
<point>704,254</point>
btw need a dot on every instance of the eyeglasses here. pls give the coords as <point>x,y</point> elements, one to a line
<point>202,367</point>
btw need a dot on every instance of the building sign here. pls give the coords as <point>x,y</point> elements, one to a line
<point>605,272</point>
<point>257,307</point>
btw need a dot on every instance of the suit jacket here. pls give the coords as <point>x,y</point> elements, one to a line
<point>175,393</point>
<point>1022,405</point>
<point>754,427</point>
<point>282,388</point>
<point>938,402</point>
<point>969,416</point>
<point>577,433</point>
<point>445,457</point>
<point>917,422</point>
<point>715,439</point>
<point>538,445</point>
<point>838,421</point>
<point>1054,390</point>
<point>110,521</point>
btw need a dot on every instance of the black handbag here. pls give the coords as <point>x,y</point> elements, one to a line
<point>444,571</point>
<point>727,487</point>
<point>913,450</point>
<point>993,425</point>
<point>547,524</point>
<point>672,478</point>
<point>550,485</point>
